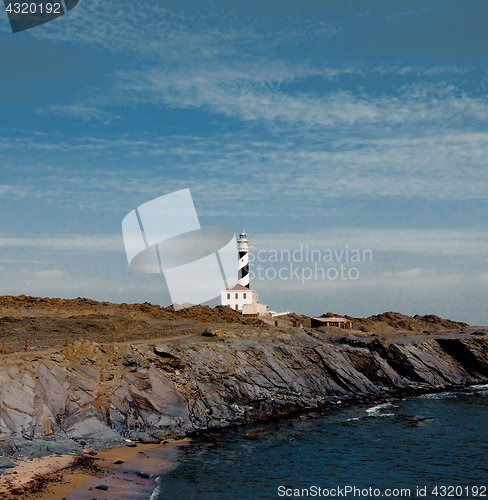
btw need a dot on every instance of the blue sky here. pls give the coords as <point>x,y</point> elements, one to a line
<point>329,124</point>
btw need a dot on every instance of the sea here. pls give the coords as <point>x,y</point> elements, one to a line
<point>431,446</point>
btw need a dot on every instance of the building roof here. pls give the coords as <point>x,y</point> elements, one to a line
<point>239,287</point>
<point>333,320</point>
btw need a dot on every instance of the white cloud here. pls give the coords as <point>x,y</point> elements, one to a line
<point>257,91</point>
<point>96,282</point>
<point>414,141</point>
<point>450,294</point>
<point>88,243</point>
<point>284,167</point>
<point>19,261</point>
<point>408,281</point>
<point>446,242</point>
<point>150,28</point>
<point>417,279</point>
<point>83,112</point>
<point>184,61</point>
<point>5,189</point>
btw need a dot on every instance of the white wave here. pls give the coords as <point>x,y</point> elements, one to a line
<point>157,490</point>
<point>375,411</point>
<point>440,395</point>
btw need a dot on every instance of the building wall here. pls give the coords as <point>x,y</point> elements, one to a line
<point>237,298</point>
<point>254,309</point>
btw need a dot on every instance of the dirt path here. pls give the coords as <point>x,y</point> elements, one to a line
<point>133,342</point>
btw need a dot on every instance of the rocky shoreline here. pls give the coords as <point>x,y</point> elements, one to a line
<point>98,396</point>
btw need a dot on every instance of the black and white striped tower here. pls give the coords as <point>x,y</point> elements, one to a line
<point>243,247</point>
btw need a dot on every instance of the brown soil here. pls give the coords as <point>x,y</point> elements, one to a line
<point>391,322</point>
<point>37,319</point>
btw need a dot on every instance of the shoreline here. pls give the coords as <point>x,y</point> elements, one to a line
<point>93,398</point>
<point>75,477</point>
<point>57,477</point>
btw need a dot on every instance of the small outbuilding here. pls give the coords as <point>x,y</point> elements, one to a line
<point>334,321</point>
<point>255,309</point>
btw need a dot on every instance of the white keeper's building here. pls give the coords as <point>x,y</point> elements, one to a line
<point>236,296</point>
<point>241,298</point>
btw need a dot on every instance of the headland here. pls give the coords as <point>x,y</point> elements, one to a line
<point>75,401</point>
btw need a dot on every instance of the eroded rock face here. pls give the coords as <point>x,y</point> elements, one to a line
<point>225,381</point>
<point>99,394</point>
<point>94,393</point>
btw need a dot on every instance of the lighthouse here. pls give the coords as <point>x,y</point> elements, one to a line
<point>243,267</point>
<point>240,297</point>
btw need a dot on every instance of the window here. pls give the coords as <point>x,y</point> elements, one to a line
<point>236,305</point>
<point>237,295</point>
<point>244,295</point>
<point>228,295</point>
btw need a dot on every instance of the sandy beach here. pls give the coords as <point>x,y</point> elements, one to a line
<point>125,472</point>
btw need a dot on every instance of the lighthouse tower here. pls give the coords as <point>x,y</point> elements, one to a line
<point>243,247</point>
<point>240,297</point>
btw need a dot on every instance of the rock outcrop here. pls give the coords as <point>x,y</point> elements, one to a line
<point>98,394</point>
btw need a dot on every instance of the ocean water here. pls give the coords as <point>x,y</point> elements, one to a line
<point>433,446</point>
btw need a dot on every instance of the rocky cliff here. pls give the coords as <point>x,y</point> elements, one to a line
<point>98,394</point>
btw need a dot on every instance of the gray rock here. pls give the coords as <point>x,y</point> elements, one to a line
<point>35,448</point>
<point>143,475</point>
<point>106,439</point>
<point>129,359</point>
<point>6,464</point>
<point>143,437</point>
<point>87,428</point>
<point>152,393</point>
<point>6,449</point>
<point>66,447</point>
